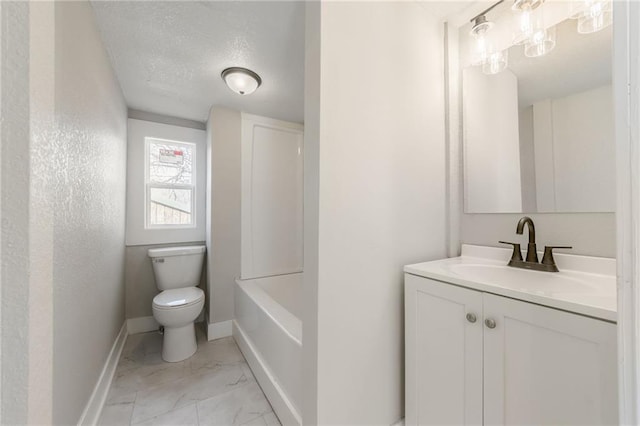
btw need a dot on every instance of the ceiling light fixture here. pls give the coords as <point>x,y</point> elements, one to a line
<point>241,80</point>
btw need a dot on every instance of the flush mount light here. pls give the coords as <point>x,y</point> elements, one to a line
<point>241,80</point>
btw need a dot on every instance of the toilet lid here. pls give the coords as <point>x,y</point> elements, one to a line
<point>178,297</point>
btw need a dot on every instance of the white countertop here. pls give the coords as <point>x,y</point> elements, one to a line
<point>585,285</point>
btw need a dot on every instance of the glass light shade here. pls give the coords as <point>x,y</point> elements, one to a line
<point>523,25</point>
<point>478,50</point>
<point>496,62</point>
<point>479,43</point>
<point>595,17</point>
<point>241,80</point>
<point>540,43</point>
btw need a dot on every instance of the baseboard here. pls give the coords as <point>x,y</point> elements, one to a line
<point>281,404</point>
<point>399,422</point>
<point>218,330</point>
<point>142,325</point>
<point>93,409</point>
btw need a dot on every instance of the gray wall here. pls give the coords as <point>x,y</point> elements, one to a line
<point>223,205</point>
<point>592,234</point>
<point>140,283</point>
<point>14,211</point>
<point>63,134</point>
<point>89,209</point>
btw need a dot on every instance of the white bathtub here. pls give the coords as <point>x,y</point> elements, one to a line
<point>268,330</point>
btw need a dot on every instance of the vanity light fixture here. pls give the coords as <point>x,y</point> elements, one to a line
<point>483,54</point>
<point>592,15</point>
<point>241,80</point>
<point>479,32</point>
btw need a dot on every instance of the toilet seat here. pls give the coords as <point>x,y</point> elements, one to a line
<point>178,298</point>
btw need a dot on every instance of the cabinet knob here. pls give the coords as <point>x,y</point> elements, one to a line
<point>490,323</point>
<point>471,317</point>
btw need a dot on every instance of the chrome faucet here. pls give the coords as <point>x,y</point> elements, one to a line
<point>548,263</point>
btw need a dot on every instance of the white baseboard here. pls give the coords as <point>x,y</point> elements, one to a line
<point>399,422</point>
<point>142,325</point>
<point>93,409</point>
<point>218,330</point>
<point>281,404</point>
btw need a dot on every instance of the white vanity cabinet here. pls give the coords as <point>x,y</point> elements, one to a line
<point>475,358</point>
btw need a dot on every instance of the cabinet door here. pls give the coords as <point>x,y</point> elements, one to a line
<point>443,353</point>
<point>543,366</point>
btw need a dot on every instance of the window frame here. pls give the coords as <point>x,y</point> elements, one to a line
<point>148,185</point>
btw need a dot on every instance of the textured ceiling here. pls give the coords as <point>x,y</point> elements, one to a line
<point>168,56</point>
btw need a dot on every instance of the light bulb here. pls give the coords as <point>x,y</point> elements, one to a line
<point>524,26</point>
<point>478,50</point>
<point>595,17</point>
<point>495,62</point>
<point>540,43</point>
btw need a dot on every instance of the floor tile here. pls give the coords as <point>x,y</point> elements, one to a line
<point>185,416</point>
<point>117,409</point>
<point>234,408</point>
<point>154,401</point>
<point>259,421</point>
<point>213,387</point>
<point>271,419</point>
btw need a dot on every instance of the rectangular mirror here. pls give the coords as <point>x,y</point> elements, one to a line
<point>538,136</point>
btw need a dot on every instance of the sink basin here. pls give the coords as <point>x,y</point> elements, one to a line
<point>522,279</point>
<point>585,285</point>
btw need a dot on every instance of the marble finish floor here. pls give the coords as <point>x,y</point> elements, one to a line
<point>213,387</point>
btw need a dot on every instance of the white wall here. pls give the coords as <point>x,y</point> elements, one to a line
<point>375,174</point>
<point>138,130</point>
<point>89,209</point>
<point>574,143</point>
<point>63,176</point>
<point>527,160</point>
<point>223,207</point>
<point>491,141</point>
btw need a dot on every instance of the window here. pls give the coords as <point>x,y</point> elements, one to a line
<point>169,184</point>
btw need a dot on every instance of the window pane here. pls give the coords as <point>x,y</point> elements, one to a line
<point>170,163</point>
<point>170,206</point>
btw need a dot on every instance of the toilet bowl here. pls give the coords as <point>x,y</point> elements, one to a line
<point>176,310</point>
<point>177,272</point>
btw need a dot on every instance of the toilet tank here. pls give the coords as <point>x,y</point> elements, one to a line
<point>177,267</point>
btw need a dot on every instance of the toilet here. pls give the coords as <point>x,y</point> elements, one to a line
<point>177,271</point>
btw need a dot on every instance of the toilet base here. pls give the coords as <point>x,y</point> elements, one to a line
<point>179,343</point>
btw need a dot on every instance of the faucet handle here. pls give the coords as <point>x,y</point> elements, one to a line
<point>548,259</point>
<point>517,254</point>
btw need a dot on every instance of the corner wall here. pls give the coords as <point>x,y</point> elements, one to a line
<point>375,174</point>
<point>223,211</point>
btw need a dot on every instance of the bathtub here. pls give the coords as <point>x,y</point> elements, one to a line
<point>268,331</point>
